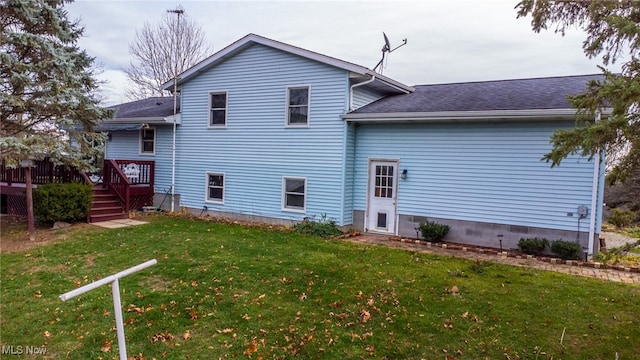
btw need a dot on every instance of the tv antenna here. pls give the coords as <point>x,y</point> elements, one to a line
<point>386,49</point>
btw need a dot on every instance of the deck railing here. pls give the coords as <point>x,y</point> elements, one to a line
<point>146,171</point>
<point>44,172</point>
<point>127,178</point>
<point>132,181</point>
<point>115,179</point>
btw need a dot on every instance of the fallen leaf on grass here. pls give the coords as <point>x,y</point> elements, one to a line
<point>47,334</point>
<point>162,337</point>
<point>133,308</point>
<point>253,347</point>
<point>186,335</point>
<point>365,315</point>
<point>107,346</point>
<point>453,290</point>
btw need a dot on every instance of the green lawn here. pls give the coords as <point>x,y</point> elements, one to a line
<point>226,291</point>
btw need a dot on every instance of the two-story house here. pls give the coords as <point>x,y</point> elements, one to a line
<point>272,132</point>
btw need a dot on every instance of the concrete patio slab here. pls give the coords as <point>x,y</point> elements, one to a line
<point>115,224</point>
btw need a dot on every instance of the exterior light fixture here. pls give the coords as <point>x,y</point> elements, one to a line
<point>404,174</point>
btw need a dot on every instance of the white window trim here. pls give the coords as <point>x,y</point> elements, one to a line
<point>286,107</point>
<point>284,194</point>
<point>226,109</point>
<point>155,142</point>
<point>206,187</point>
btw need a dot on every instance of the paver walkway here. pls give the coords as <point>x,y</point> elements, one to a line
<point>603,274</point>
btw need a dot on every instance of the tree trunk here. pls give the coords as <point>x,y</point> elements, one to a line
<point>30,217</point>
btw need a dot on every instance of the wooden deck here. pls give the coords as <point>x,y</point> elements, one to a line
<point>131,181</point>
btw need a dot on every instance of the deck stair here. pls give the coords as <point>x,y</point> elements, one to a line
<point>105,206</point>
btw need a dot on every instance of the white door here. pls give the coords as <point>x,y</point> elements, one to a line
<point>381,207</point>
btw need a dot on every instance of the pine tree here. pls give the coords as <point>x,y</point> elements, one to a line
<point>612,30</point>
<point>48,95</point>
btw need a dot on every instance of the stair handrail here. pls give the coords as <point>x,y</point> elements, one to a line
<point>117,181</point>
<point>86,178</point>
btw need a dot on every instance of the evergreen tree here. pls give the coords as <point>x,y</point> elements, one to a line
<point>48,94</point>
<point>613,32</point>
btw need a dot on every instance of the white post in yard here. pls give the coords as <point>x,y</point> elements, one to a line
<point>117,306</point>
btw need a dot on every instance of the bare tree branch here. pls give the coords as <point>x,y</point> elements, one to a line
<point>153,53</point>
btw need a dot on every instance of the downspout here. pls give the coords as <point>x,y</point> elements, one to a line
<point>594,197</point>
<point>373,78</point>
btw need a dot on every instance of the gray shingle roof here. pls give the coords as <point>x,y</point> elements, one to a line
<point>523,94</point>
<point>150,107</point>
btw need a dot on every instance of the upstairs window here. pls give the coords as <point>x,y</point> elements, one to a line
<point>148,141</point>
<point>294,194</point>
<point>298,106</point>
<point>217,109</point>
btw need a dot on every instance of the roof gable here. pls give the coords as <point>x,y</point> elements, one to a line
<point>251,39</point>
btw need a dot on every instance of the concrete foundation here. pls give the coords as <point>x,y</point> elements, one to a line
<point>483,234</point>
<point>240,217</point>
<point>163,201</point>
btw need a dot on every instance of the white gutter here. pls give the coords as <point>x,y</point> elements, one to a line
<point>538,114</point>
<point>392,83</point>
<point>479,115</point>
<point>155,120</point>
<point>373,78</point>
<point>594,197</point>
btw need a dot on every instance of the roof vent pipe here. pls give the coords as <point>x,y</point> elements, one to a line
<point>373,78</point>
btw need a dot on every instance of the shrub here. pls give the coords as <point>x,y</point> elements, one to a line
<point>533,246</point>
<point>566,250</point>
<point>622,218</point>
<point>433,231</point>
<point>634,232</point>
<point>324,227</point>
<point>61,202</point>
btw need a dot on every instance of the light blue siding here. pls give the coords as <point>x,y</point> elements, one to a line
<point>255,150</point>
<point>364,95</point>
<point>350,153</point>
<point>478,172</point>
<point>125,145</point>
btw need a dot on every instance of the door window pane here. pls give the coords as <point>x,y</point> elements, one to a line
<point>384,181</point>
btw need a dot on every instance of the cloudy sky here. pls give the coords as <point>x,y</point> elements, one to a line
<point>448,40</point>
